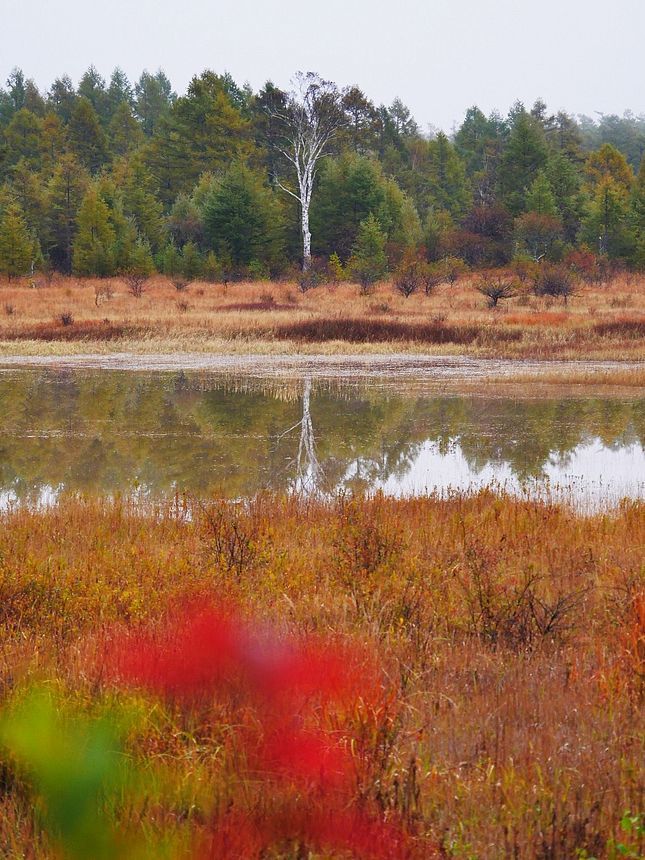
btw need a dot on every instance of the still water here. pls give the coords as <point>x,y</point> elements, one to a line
<point>157,433</point>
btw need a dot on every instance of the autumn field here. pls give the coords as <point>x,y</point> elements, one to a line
<point>287,677</point>
<point>71,315</point>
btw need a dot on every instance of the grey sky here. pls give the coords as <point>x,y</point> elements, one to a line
<point>439,56</point>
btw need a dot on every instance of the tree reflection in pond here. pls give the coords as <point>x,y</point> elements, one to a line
<point>111,431</point>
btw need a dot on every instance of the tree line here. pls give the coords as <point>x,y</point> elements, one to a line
<point>110,177</point>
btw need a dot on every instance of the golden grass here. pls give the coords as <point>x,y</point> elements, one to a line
<point>249,316</point>
<point>511,633</point>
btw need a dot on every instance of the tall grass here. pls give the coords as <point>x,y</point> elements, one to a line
<point>509,637</point>
<point>600,322</point>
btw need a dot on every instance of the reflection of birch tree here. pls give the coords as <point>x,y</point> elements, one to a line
<point>309,472</point>
<point>309,475</point>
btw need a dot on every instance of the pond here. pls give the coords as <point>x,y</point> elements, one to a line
<point>156,433</point>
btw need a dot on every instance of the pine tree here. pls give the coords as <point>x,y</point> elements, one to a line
<point>638,217</point>
<point>64,196</point>
<point>607,224</point>
<point>16,244</point>
<point>87,138</point>
<point>192,264</point>
<point>243,218</point>
<point>369,262</point>
<point>124,132</point>
<point>94,245</point>
<point>540,198</point>
<point>525,155</point>
<point>445,178</point>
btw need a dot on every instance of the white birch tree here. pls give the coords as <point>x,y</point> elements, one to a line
<point>308,122</point>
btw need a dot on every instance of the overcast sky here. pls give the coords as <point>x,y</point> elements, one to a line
<point>439,56</point>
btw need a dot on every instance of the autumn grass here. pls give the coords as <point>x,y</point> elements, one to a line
<point>598,323</point>
<point>510,633</point>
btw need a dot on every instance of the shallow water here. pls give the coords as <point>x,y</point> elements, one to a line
<point>156,433</point>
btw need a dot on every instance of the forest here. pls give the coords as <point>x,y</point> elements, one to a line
<point>111,177</point>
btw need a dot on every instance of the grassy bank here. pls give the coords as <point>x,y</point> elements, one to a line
<point>599,322</point>
<point>508,636</point>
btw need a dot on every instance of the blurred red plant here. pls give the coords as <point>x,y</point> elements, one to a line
<point>308,774</point>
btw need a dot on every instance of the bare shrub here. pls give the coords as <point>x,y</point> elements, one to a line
<point>431,277</point>
<point>136,283</point>
<point>66,318</point>
<point>180,284</point>
<point>453,269</point>
<point>267,298</point>
<point>555,281</point>
<point>496,287</point>
<point>182,306</point>
<point>9,309</point>
<point>103,293</point>
<point>408,277</point>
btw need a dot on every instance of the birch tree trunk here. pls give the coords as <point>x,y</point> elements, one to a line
<point>309,120</point>
<point>306,237</point>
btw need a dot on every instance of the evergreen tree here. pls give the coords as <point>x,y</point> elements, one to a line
<point>540,197</point>
<point>54,142</point>
<point>87,138</point>
<point>62,98</point>
<point>24,139</point>
<point>638,217</point>
<point>525,155</point>
<point>565,183</point>
<point>30,194</point>
<point>369,262</point>
<point>136,187</point>
<point>16,244</point>
<point>119,92</point>
<point>607,224</point>
<point>153,99</point>
<point>124,132</point>
<point>350,189</point>
<point>64,196</point>
<point>94,244</point>
<point>443,178</point>
<point>92,88</point>
<point>192,264</point>
<point>242,218</point>
<point>203,131</point>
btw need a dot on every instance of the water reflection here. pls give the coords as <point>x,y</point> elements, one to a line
<point>157,433</point>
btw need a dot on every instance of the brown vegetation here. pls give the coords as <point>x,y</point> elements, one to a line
<point>598,321</point>
<point>510,635</point>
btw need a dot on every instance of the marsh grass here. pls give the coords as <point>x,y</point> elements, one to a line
<point>601,322</point>
<point>509,634</point>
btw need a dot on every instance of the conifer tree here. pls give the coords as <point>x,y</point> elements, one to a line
<point>369,262</point>
<point>94,245</point>
<point>64,196</point>
<point>124,132</point>
<point>87,138</point>
<point>638,217</point>
<point>607,226</point>
<point>243,219</point>
<point>540,198</point>
<point>16,245</point>
<point>525,155</point>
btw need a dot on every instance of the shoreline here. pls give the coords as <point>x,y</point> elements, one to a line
<point>448,368</point>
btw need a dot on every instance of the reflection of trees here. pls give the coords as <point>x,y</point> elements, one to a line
<point>111,431</point>
<point>309,473</point>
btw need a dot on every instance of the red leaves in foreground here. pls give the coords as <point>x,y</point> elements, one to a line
<point>307,774</point>
<point>238,837</point>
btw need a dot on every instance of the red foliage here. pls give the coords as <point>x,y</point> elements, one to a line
<point>307,775</point>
